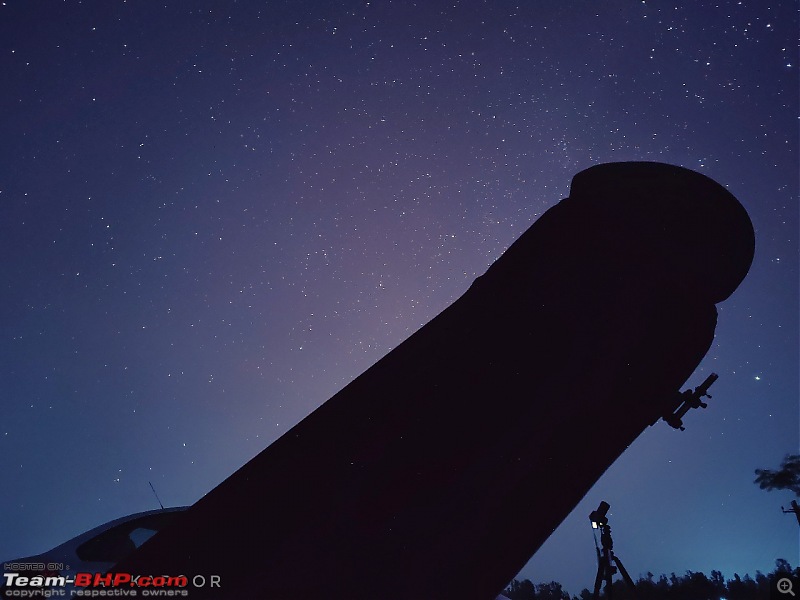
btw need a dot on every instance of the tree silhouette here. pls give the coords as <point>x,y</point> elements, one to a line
<point>785,478</point>
<point>521,590</point>
<point>741,589</point>
<point>551,591</point>
<point>696,586</point>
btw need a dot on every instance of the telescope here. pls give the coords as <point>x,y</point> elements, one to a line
<point>690,399</point>
<point>449,452</point>
<point>599,517</point>
<point>608,563</point>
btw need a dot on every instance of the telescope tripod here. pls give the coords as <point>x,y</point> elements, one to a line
<point>605,569</point>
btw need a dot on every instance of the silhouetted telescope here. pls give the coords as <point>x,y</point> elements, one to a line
<point>608,563</point>
<point>599,517</point>
<point>690,399</point>
<point>440,470</point>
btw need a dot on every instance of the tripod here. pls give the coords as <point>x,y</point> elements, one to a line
<point>605,570</point>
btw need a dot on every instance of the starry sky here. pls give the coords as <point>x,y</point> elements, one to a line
<point>214,215</point>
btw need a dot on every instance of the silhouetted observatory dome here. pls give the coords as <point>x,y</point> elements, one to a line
<point>693,233</point>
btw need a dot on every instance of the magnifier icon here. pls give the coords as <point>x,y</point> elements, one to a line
<point>785,586</point>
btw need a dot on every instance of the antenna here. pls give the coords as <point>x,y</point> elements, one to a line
<point>156,495</point>
<point>795,509</point>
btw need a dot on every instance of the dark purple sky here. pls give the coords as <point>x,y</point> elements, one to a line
<point>214,215</point>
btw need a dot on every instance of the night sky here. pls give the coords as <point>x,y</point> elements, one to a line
<point>214,215</point>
